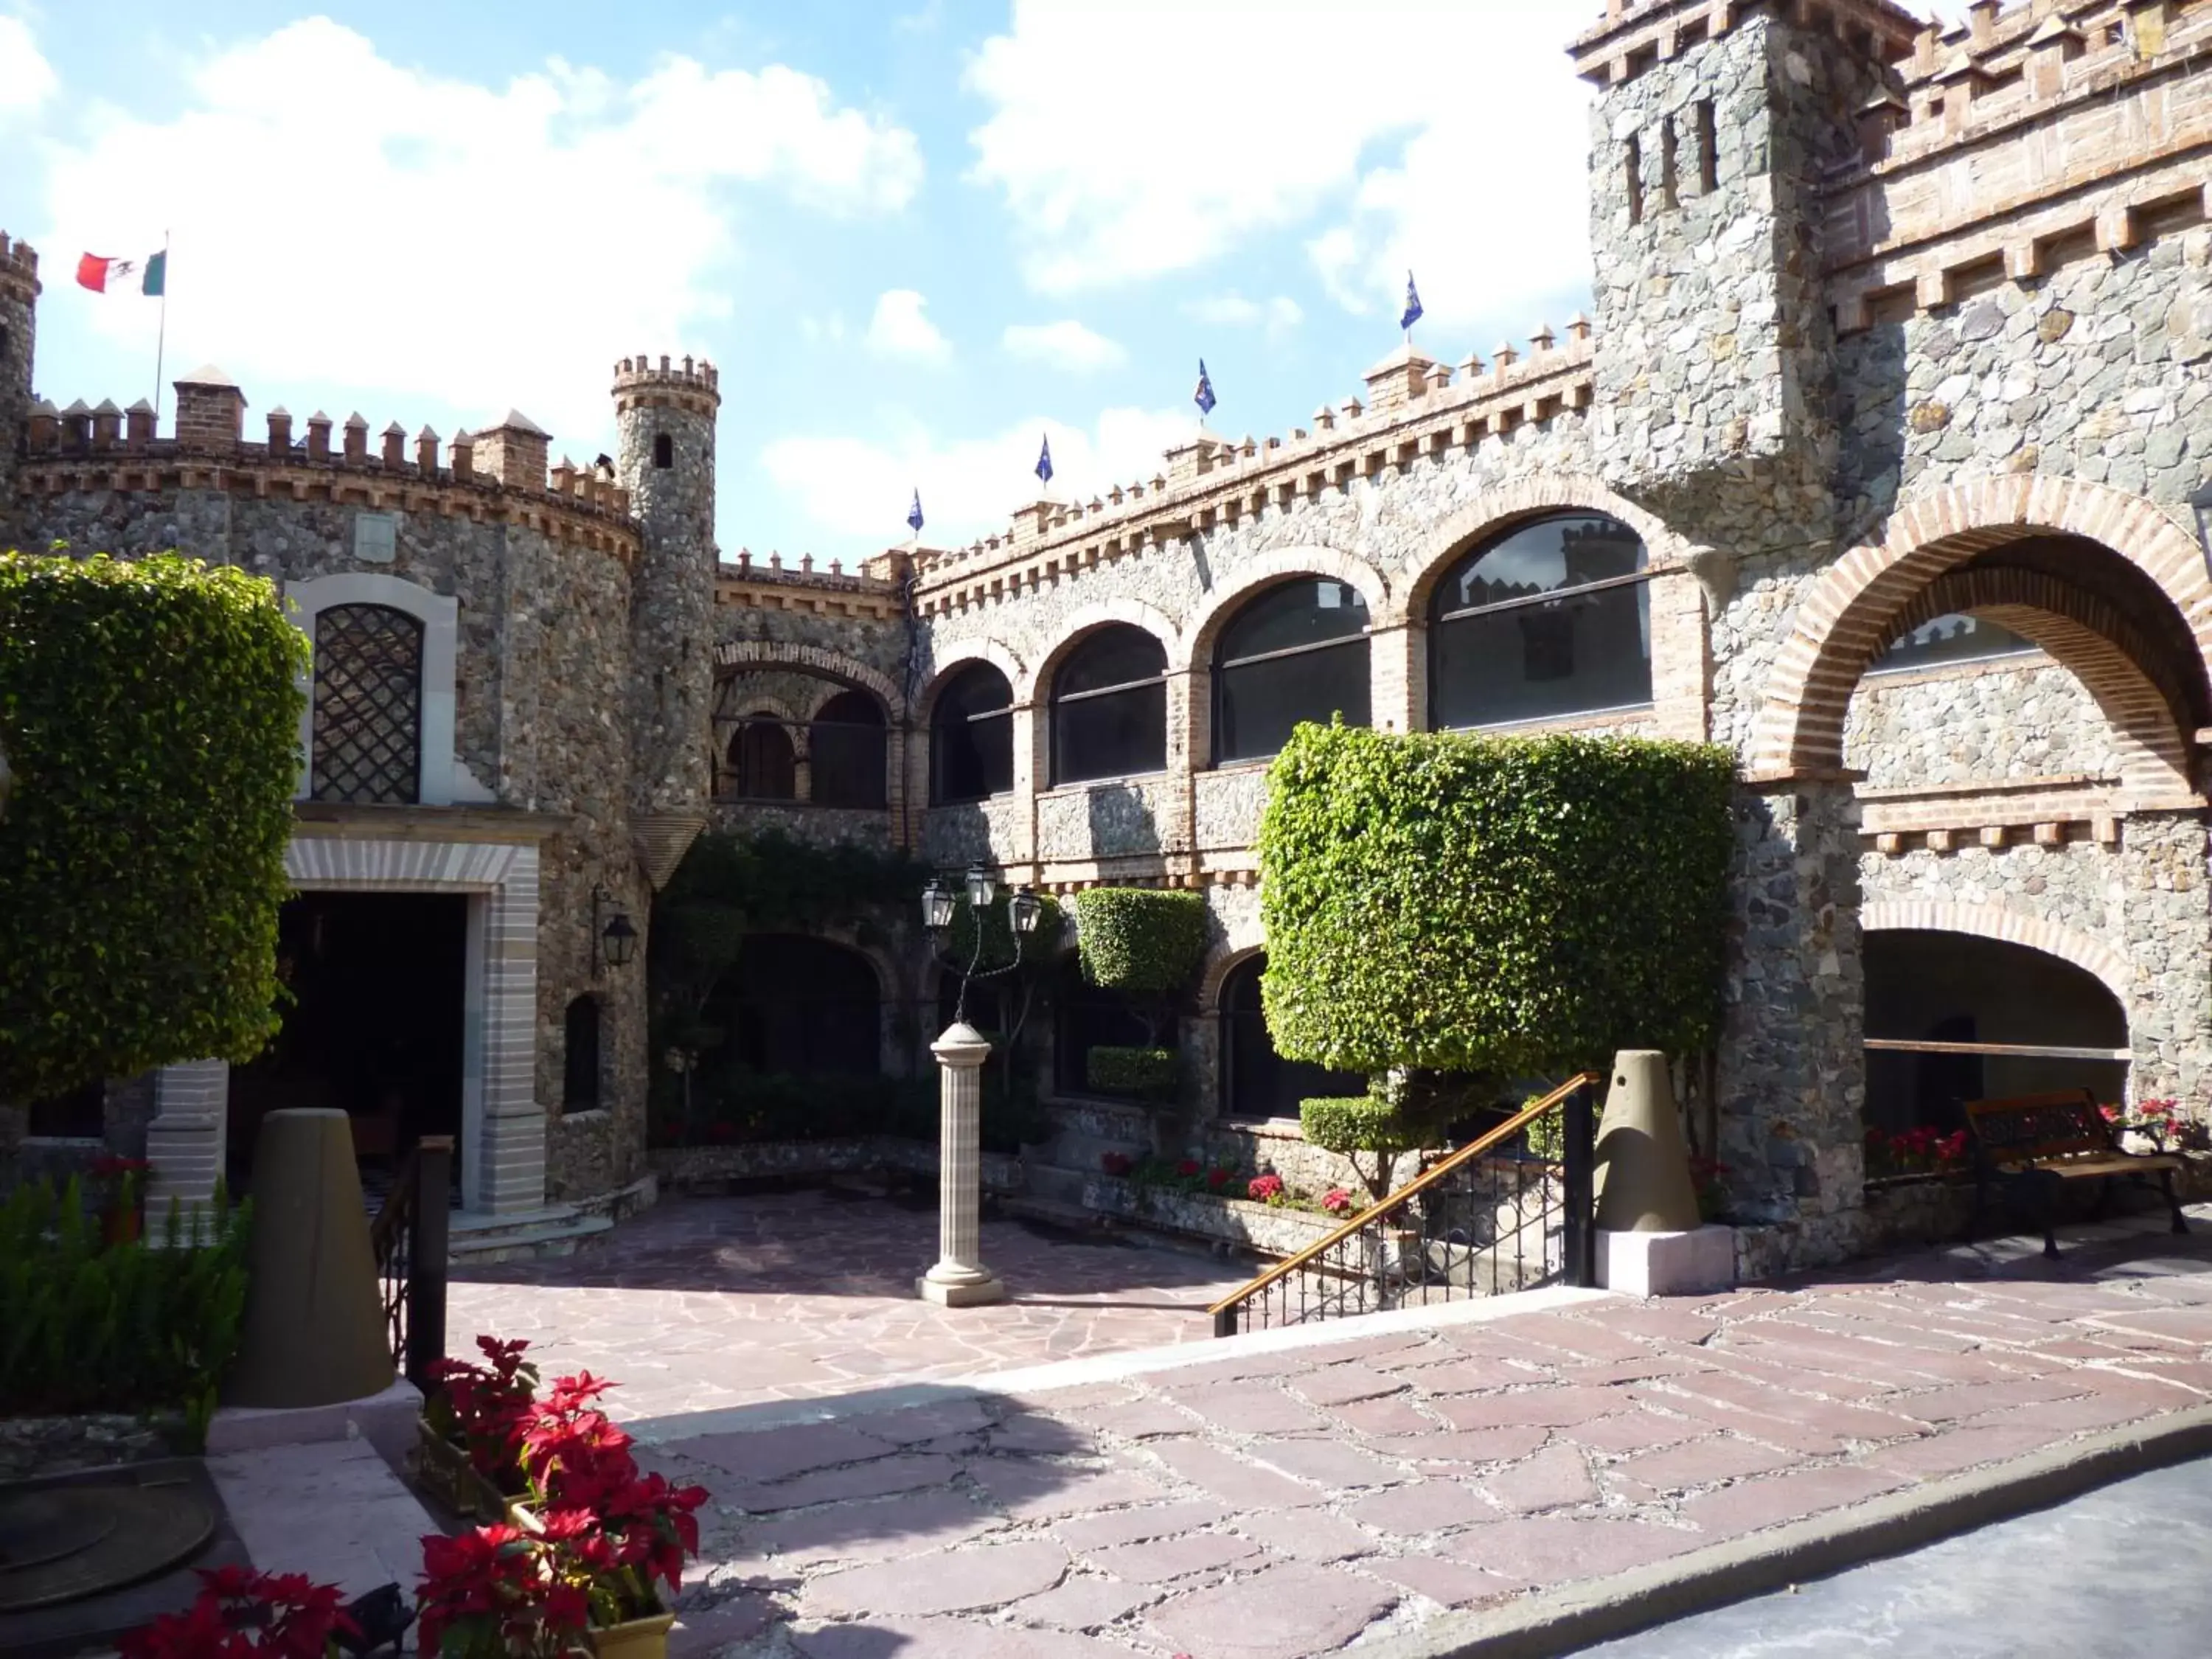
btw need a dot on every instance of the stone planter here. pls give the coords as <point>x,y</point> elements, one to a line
<point>686,1167</point>
<point>445,1472</point>
<point>1233,1220</point>
<point>644,1638</point>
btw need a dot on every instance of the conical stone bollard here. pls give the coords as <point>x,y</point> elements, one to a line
<point>314,1325</point>
<point>1642,1163</point>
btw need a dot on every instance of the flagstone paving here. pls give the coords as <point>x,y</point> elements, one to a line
<point>1270,1505</point>
<point>706,1303</point>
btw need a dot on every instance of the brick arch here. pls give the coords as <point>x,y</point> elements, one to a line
<point>743,655</point>
<point>1499,509</point>
<point>1218,969</point>
<point>1842,619</point>
<point>1267,570</point>
<point>951,658</point>
<point>1994,921</point>
<point>2088,635</point>
<point>1089,620</point>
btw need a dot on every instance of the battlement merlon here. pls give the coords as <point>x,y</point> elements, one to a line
<point>685,384</point>
<point>19,270</point>
<point>1635,37</point>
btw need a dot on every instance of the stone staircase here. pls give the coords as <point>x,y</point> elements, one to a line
<point>1057,1170</point>
<point>555,1229</point>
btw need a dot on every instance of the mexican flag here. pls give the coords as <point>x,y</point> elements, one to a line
<point>147,275</point>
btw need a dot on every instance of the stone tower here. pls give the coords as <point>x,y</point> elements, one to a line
<point>1708,142</point>
<point>19,327</point>
<point>665,414</point>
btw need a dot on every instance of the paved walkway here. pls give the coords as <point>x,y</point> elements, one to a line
<point>711,1302</point>
<point>1256,1503</point>
<point>2116,1574</point>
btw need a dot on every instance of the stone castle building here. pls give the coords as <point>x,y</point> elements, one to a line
<point>1884,461</point>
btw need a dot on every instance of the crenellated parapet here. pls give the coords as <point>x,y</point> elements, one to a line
<point>1416,407</point>
<point>640,383</point>
<point>104,448</point>
<point>2033,136</point>
<point>1639,35</point>
<point>877,590</point>
<point>19,270</point>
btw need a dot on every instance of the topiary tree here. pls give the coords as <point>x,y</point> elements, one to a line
<point>150,711</point>
<point>1147,943</point>
<point>1023,962</point>
<point>1445,910</point>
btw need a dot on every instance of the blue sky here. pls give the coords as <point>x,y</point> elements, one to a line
<point>914,236</point>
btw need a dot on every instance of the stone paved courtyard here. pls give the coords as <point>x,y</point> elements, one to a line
<point>703,1303</point>
<point>1267,1503</point>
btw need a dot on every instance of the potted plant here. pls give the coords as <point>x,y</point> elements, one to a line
<point>469,1440</point>
<point>240,1613</point>
<point>495,1593</point>
<point>116,1185</point>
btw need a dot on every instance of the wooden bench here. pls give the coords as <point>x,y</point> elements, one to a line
<point>2035,1144</point>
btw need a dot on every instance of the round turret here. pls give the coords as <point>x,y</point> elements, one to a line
<point>19,326</point>
<point>665,419</point>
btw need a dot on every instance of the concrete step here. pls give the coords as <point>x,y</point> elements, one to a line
<point>1050,1184</point>
<point>559,1229</point>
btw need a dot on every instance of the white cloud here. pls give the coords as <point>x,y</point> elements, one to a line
<point>1067,344</point>
<point>397,230</point>
<point>1122,160</point>
<point>969,486</point>
<point>899,329</point>
<point>1233,310</point>
<point>27,79</point>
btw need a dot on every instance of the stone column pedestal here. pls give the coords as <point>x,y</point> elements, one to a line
<point>960,1279</point>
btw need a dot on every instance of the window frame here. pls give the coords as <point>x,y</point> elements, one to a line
<point>1223,664</point>
<point>329,665</point>
<point>1439,619</point>
<point>938,721</point>
<point>595,1100</point>
<point>1060,699</point>
<point>880,727</point>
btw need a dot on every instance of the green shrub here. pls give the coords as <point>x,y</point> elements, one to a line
<point>1038,949</point>
<point>1350,1125</point>
<point>738,1108</point>
<point>1139,938</point>
<point>1510,906</point>
<point>1149,1073</point>
<point>86,1326</point>
<point>150,713</point>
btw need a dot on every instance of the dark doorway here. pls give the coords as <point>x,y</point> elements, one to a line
<point>373,1027</point>
<point>795,1005</point>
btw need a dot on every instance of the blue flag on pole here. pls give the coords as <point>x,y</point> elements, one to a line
<point>1413,304</point>
<point>1044,461</point>
<point>914,515</point>
<point>1204,396</point>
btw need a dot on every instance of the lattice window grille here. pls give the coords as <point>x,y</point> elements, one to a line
<point>368,747</point>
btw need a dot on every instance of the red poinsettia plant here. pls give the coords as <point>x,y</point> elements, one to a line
<point>496,1593</point>
<point>486,1409</point>
<point>240,1612</point>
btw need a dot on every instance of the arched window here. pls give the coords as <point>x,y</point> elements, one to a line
<point>971,738</point>
<point>762,764</point>
<point>1551,618</point>
<point>664,450</point>
<point>845,745</point>
<point>368,734</point>
<point>1109,707</point>
<point>80,1115</point>
<point>579,1057</point>
<point>795,1006</point>
<point>1949,639</point>
<point>1087,1017</point>
<point>1297,652</point>
<point>1256,1080</point>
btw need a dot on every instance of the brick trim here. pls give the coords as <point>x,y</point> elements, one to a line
<point>949,657</point>
<point>1994,921</point>
<point>1842,620</point>
<point>775,653</point>
<point>1276,566</point>
<point>1218,967</point>
<point>1497,509</point>
<point>1089,620</point>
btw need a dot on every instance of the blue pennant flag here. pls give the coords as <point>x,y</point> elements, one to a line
<point>1204,396</point>
<point>1044,462</point>
<point>914,515</point>
<point>1413,304</point>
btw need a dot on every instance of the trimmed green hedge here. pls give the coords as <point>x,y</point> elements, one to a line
<point>150,712</point>
<point>1352,1124</point>
<point>1150,1073</point>
<point>1038,949</point>
<point>1139,938</point>
<point>1513,906</point>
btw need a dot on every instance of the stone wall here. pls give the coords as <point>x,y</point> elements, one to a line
<point>2022,717</point>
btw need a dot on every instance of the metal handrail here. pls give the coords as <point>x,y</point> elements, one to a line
<point>409,1238</point>
<point>1412,1189</point>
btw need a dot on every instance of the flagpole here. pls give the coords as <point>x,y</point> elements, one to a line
<point>162,332</point>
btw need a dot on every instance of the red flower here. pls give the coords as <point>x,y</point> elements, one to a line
<point>1117,1163</point>
<point>1336,1201</point>
<point>1187,1166</point>
<point>1218,1178</point>
<point>1260,1188</point>
<point>240,1612</point>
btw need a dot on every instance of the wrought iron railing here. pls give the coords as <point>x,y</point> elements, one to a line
<point>409,1235</point>
<point>1492,1216</point>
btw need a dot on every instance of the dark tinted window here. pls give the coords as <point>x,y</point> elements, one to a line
<point>78,1116</point>
<point>795,1005</point>
<point>1950,639</point>
<point>1553,619</point>
<point>844,752</point>
<point>971,737</point>
<point>763,764</point>
<point>1297,653</point>
<point>367,728</point>
<point>1256,1080</point>
<point>580,1069</point>
<point>1110,708</point>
